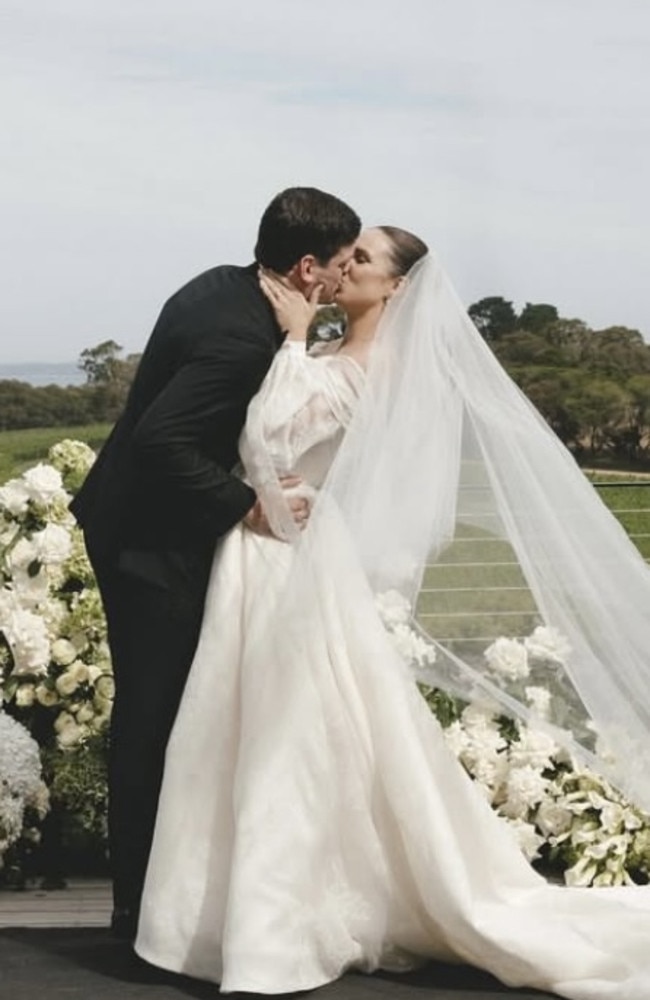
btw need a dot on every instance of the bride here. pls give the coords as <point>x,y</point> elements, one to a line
<point>312,817</point>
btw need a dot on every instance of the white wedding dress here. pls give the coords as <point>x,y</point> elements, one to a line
<point>312,817</point>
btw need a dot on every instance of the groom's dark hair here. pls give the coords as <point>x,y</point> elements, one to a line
<point>304,220</point>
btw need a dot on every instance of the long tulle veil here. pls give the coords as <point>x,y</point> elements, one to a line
<point>459,498</point>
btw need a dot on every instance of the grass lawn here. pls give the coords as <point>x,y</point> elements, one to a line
<point>20,449</point>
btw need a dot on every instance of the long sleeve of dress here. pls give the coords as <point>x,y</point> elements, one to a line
<point>296,421</point>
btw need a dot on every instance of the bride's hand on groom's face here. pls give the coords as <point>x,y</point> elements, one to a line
<point>256,520</point>
<point>293,310</point>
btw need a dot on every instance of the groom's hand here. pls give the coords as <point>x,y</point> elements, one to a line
<point>299,506</point>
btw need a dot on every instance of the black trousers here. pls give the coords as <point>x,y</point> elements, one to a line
<point>152,634</point>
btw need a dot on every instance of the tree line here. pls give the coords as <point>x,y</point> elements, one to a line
<point>592,386</point>
<point>99,400</point>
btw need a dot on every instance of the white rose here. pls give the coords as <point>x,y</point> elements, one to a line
<point>23,554</point>
<point>547,643</point>
<point>85,713</point>
<point>63,652</point>
<point>66,683</point>
<point>25,695</point>
<point>27,636</point>
<point>46,696</point>
<point>14,497</point>
<point>62,720</point>
<point>31,591</point>
<point>43,483</point>
<point>105,687</point>
<point>508,657</point>
<point>53,544</point>
<point>71,735</point>
<point>102,705</point>
<point>552,818</point>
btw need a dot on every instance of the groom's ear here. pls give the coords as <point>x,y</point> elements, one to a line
<point>302,271</point>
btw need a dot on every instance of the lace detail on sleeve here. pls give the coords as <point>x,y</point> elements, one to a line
<point>297,419</point>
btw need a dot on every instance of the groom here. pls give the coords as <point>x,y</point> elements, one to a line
<point>162,493</point>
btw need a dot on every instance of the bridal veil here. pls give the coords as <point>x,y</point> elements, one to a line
<point>457,496</point>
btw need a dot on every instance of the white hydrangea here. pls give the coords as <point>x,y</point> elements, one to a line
<point>547,643</point>
<point>71,456</point>
<point>525,787</point>
<point>20,779</point>
<point>534,748</point>
<point>508,658</point>
<point>411,646</point>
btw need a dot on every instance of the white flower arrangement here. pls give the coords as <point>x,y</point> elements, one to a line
<point>54,656</point>
<point>22,789</point>
<point>564,816</point>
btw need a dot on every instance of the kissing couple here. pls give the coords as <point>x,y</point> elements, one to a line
<point>283,804</point>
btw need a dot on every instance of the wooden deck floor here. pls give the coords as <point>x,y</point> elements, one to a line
<point>85,903</point>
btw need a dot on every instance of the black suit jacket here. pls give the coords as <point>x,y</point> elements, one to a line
<point>162,491</point>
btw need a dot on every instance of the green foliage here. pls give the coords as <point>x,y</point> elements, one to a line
<point>77,780</point>
<point>21,448</point>
<point>494,317</point>
<point>328,324</point>
<point>536,317</point>
<point>101,399</point>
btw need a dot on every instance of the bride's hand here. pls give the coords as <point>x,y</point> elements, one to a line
<point>293,311</point>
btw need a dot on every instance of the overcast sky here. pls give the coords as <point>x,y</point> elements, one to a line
<point>141,140</point>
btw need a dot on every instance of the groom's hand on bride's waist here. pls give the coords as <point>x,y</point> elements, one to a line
<point>299,506</point>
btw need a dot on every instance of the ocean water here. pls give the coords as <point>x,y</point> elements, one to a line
<point>44,373</point>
